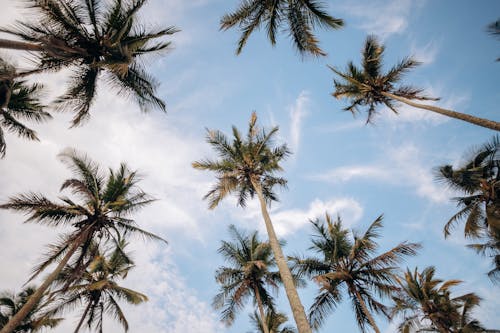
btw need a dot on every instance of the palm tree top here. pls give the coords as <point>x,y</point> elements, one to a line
<point>249,274</point>
<point>94,38</point>
<point>301,16</point>
<point>244,163</point>
<point>365,85</point>
<point>18,101</point>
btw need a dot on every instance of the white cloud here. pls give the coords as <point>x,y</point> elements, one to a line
<point>290,221</point>
<point>402,166</point>
<point>426,54</point>
<point>381,17</point>
<point>297,113</point>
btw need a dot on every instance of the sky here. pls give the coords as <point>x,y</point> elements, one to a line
<point>339,165</point>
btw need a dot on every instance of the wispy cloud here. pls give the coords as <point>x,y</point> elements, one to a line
<point>394,169</point>
<point>298,111</point>
<point>381,17</point>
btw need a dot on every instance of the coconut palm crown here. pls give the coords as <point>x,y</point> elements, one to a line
<point>426,304</point>
<point>95,38</point>
<point>106,203</point>
<point>250,274</point>
<point>36,321</point>
<point>351,266</point>
<point>301,17</point>
<point>243,163</point>
<point>274,322</point>
<point>478,179</point>
<point>97,289</point>
<point>369,87</point>
<point>18,101</point>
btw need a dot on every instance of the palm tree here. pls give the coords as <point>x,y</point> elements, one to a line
<point>478,178</point>
<point>301,16</point>
<point>369,87</point>
<point>247,167</point>
<point>35,321</point>
<point>248,275</point>
<point>96,39</point>
<point>103,212</point>
<point>273,323</point>
<point>98,289</point>
<point>426,303</point>
<point>18,101</point>
<point>350,265</point>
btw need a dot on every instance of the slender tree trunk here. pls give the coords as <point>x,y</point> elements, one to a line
<point>449,113</point>
<point>261,310</point>
<point>15,45</point>
<point>37,296</point>
<point>286,276</point>
<point>365,309</point>
<point>80,323</point>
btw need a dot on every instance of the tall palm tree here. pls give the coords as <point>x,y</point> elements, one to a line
<point>301,16</point>
<point>95,38</point>
<point>426,303</point>
<point>273,322</point>
<point>247,167</point>
<point>249,274</point>
<point>18,101</point>
<point>97,289</point>
<point>369,87</point>
<point>478,178</point>
<point>351,266</point>
<point>35,321</point>
<point>106,204</point>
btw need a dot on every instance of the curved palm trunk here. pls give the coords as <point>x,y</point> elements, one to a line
<point>449,113</point>
<point>286,276</point>
<point>38,294</point>
<point>366,311</point>
<point>261,310</point>
<point>80,323</point>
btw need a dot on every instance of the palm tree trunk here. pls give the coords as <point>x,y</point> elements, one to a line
<point>286,276</point>
<point>80,323</point>
<point>261,310</point>
<point>38,294</point>
<point>14,45</point>
<point>365,309</point>
<point>449,113</point>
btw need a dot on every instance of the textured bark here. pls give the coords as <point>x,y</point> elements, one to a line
<point>449,113</point>
<point>37,296</point>
<point>286,276</point>
<point>366,311</point>
<point>261,310</point>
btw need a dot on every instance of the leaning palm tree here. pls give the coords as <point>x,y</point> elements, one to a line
<point>18,101</point>
<point>250,274</point>
<point>96,39</point>
<point>351,266</point>
<point>98,290</point>
<point>478,178</point>
<point>301,16</point>
<point>247,167</point>
<point>106,204</point>
<point>35,321</point>
<point>273,323</point>
<point>369,87</point>
<point>426,305</point>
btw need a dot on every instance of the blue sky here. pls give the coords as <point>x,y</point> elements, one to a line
<point>338,165</point>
